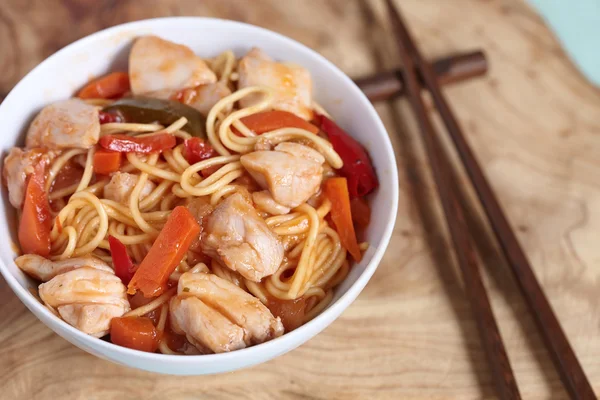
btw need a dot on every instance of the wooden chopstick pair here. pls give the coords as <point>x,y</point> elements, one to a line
<point>416,69</point>
<point>455,68</point>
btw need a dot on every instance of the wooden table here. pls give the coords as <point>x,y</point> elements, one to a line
<point>534,123</point>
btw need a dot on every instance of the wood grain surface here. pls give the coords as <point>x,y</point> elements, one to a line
<point>534,124</point>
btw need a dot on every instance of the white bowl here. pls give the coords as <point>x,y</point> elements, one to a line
<point>62,74</point>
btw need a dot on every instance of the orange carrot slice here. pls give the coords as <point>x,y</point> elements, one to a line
<point>109,86</point>
<point>268,121</point>
<point>136,333</point>
<point>106,161</point>
<point>36,221</point>
<point>336,190</point>
<point>165,254</point>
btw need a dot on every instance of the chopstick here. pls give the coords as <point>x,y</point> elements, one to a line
<point>451,69</point>
<point>562,354</point>
<point>489,333</point>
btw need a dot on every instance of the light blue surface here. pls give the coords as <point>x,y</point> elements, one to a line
<point>577,25</point>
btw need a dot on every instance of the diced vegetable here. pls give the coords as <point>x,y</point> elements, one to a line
<point>268,121</point>
<point>107,118</point>
<point>138,333</point>
<point>36,220</point>
<point>336,190</point>
<point>110,86</point>
<point>291,312</point>
<point>196,150</point>
<point>122,263</point>
<point>146,110</point>
<point>165,254</point>
<point>357,165</point>
<point>131,144</point>
<point>106,161</point>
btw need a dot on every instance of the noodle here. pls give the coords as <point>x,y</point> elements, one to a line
<point>162,321</point>
<point>87,172</point>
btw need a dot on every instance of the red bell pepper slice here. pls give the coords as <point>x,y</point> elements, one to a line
<point>131,144</point>
<point>107,118</point>
<point>196,150</point>
<point>122,263</point>
<point>357,165</point>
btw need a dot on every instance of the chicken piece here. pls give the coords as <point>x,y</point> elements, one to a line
<point>208,95</point>
<point>292,84</point>
<point>156,64</point>
<point>121,185</point>
<point>18,165</point>
<point>203,326</point>
<point>65,124</point>
<point>87,298</point>
<point>93,319</point>
<point>84,285</point>
<point>292,172</point>
<point>42,269</point>
<point>202,98</point>
<point>200,208</point>
<point>217,314</point>
<point>236,234</point>
<point>265,202</point>
<point>236,304</point>
<point>301,150</point>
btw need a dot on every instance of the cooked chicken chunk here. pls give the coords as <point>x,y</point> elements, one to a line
<point>84,285</point>
<point>93,319</point>
<point>236,304</point>
<point>203,326</point>
<point>292,172</point>
<point>241,239</point>
<point>18,165</point>
<point>219,315</point>
<point>202,98</point>
<point>200,208</point>
<point>292,84</point>
<point>121,185</point>
<point>87,298</point>
<point>208,95</point>
<point>43,269</point>
<point>265,202</point>
<point>64,124</point>
<point>156,64</point>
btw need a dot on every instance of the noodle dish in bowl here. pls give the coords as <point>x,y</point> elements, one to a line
<point>196,205</point>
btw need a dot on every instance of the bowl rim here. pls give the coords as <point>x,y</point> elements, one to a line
<point>336,307</point>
